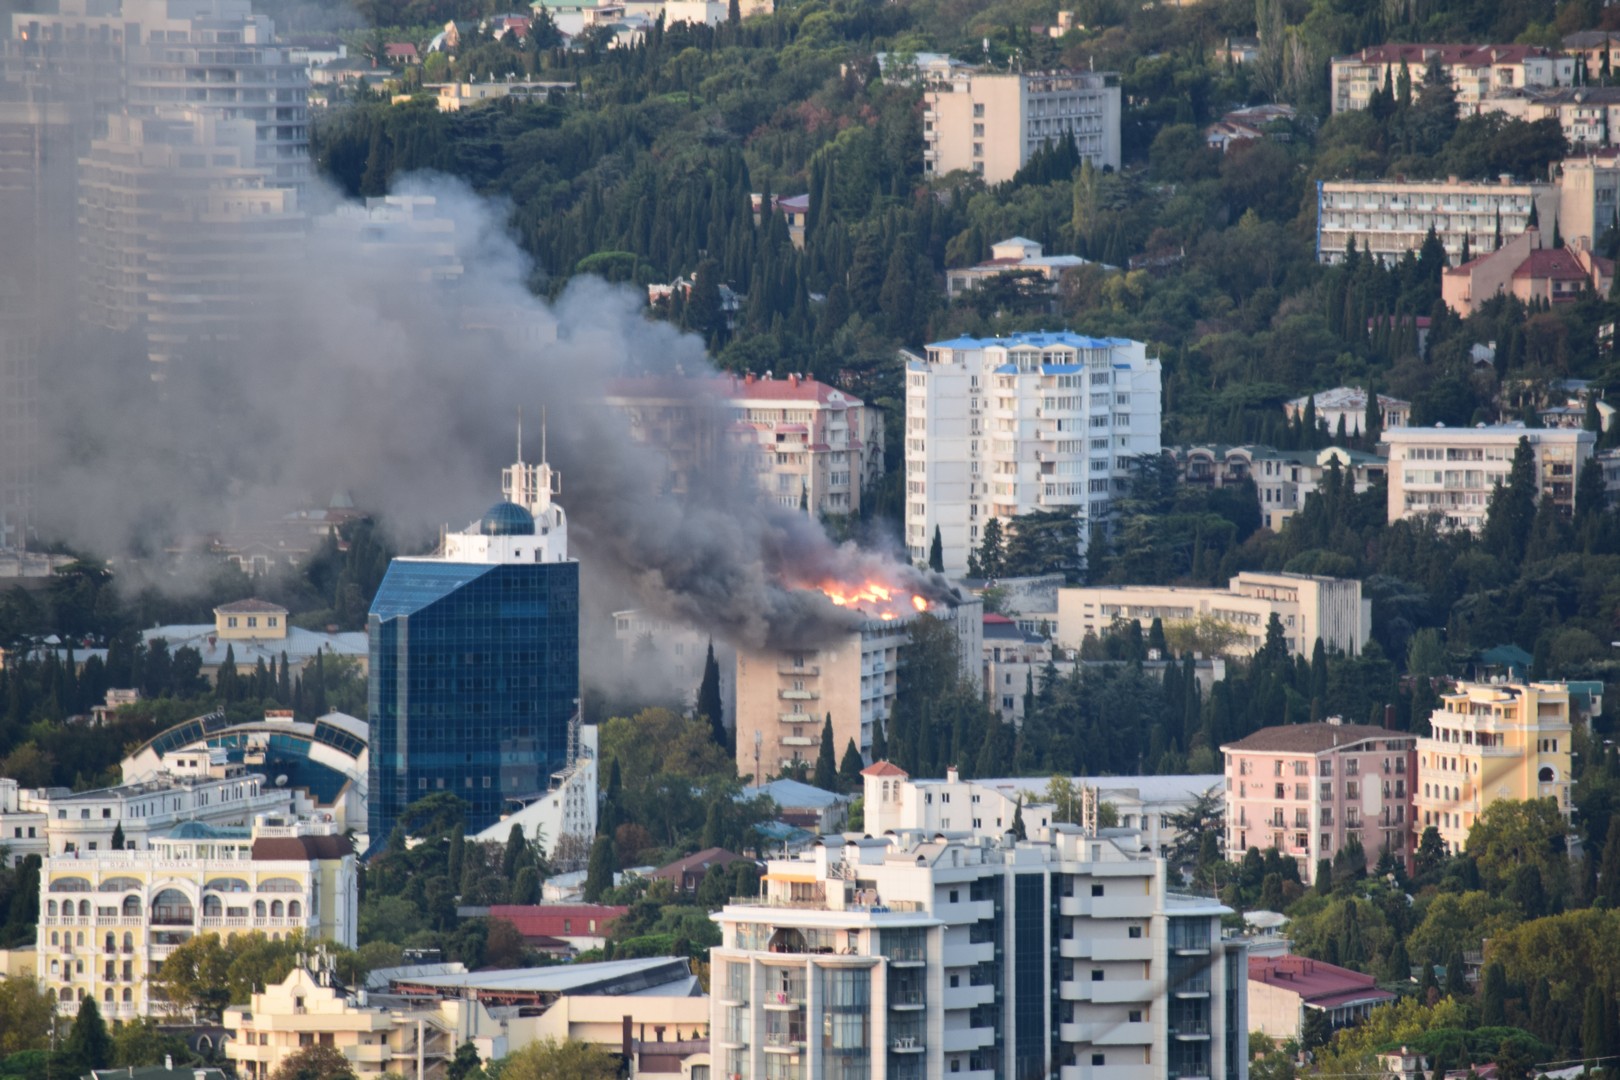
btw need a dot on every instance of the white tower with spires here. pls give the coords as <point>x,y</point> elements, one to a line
<point>526,527</point>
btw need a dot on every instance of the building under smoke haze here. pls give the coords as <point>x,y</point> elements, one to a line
<point>475,661</point>
<point>784,697</point>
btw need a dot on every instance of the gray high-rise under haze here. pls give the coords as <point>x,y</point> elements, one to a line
<point>187,161</point>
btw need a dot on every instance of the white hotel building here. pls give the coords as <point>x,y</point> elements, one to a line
<point>1453,471</point>
<point>931,953</point>
<point>998,427</point>
<point>1391,217</point>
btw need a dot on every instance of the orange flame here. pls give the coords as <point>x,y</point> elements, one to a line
<point>874,598</point>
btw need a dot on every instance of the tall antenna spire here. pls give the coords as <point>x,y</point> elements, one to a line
<point>520,435</point>
<point>542,433</point>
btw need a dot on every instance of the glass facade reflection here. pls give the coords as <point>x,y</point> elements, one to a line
<point>474,676</point>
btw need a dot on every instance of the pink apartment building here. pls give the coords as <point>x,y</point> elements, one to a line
<point>1306,789</point>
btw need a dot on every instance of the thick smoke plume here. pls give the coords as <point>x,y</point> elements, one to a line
<point>357,374</point>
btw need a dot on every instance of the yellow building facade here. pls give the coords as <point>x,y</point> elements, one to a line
<point>108,919</point>
<point>1492,741</point>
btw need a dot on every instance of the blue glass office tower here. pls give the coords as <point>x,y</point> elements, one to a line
<point>475,661</point>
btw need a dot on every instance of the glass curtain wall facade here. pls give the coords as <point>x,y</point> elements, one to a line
<point>474,678</point>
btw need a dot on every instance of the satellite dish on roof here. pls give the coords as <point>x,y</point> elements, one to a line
<point>281,781</point>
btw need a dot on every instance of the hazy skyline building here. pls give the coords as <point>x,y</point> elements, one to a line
<point>474,677</point>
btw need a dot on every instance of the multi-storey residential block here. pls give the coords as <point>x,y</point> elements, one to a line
<point>1283,479</point>
<point>1310,609</point>
<point>998,427</point>
<point>1477,71</point>
<point>1491,741</point>
<point>1589,193</point>
<point>785,696</point>
<point>1587,114</point>
<point>1346,407</point>
<point>475,660</point>
<point>1598,49</point>
<point>989,123</point>
<point>108,919</point>
<point>802,442</point>
<point>1524,269</point>
<point>1309,789</point>
<point>924,954</point>
<point>561,819</point>
<point>1453,471</point>
<point>1389,218</point>
<point>199,786</point>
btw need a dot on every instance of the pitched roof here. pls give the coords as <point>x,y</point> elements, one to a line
<point>556,920</point>
<point>884,768</point>
<point>251,607</point>
<point>301,848</point>
<point>1417,55</point>
<point>1311,738</point>
<point>696,861</point>
<point>1317,983</point>
<point>1553,264</point>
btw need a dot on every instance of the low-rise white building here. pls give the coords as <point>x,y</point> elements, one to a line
<point>563,818</point>
<point>1347,405</point>
<point>1452,472</point>
<point>1016,255</point>
<point>198,786</point>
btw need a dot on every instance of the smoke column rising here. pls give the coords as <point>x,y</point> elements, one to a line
<point>354,373</point>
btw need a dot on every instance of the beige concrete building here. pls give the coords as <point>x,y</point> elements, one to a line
<point>989,123</point>
<point>1452,471</point>
<point>453,97</point>
<point>1477,71</point>
<point>1587,114</point>
<point>1389,218</point>
<point>1283,990</point>
<point>410,1021</point>
<point>1283,479</point>
<point>784,697</point>
<point>1491,741</point>
<point>1522,268</point>
<point>1308,607</point>
<point>1589,193</point>
<point>1015,255</point>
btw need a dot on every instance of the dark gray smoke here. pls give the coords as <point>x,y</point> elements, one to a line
<point>359,375</point>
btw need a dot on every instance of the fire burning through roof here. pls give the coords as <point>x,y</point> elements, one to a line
<point>874,599</point>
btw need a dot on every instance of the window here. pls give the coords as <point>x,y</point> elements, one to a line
<point>1096,889</point>
<point>1096,974</point>
<point>1099,1059</point>
<point>1136,1016</point>
<point>1134,932</point>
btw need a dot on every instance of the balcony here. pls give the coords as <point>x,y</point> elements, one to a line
<point>808,670</point>
<point>966,997</point>
<point>784,1042</point>
<point>906,1000</point>
<point>1191,1030</point>
<point>1103,1033</point>
<point>907,1044</point>
<point>797,740</point>
<point>797,718</point>
<point>1108,991</point>
<point>370,1054</point>
<point>798,695</point>
<point>1121,949</point>
<point>962,1040</point>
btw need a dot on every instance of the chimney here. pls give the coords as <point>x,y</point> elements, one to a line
<point>950,774</point>
<point>624,1037</point>
<point>168,1062</point>
<point>749,379</point>
<point>793,380</point>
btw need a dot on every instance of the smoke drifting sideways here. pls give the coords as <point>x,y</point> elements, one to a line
<point>354,373</point>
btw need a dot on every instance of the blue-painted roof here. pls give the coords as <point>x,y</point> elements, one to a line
<point>1030,338</point>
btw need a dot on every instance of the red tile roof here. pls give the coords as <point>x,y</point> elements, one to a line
<point>1318,983</point>
<point>731,388</point>
<point>1553,264</point>
<point>559,920</point>
<point>301,848</point>
<point>884,768</point>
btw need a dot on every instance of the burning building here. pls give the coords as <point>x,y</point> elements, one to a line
<point>785,695</point>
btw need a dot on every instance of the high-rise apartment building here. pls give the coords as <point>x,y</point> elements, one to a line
<point>474,680</point>
<point>784,696</point>
<point>998,427</point>
<point>969,953</point>
<point>1491,741</point>
<point>990,123</point>
<point>180,233</point>
<point>801,442</point>
<point>1309,789</point>
<point>1453,471</point>
<point>1388,218</point>
<point>108,919</point>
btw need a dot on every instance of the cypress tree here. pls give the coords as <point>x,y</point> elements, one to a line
<point>599,872</point>
<point>936,553</point>
<point>1609,869</point>
<point>849,770</point>
<point>512,856</point>
<point>826,774</point>
<point>1493,996</point>
<point>708,700</point>
<point>88,1045</point>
